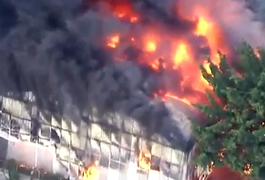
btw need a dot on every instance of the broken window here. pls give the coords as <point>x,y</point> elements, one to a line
<point>35,128</point>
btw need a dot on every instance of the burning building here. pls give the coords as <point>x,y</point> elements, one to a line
<point>112,81</point>
<point>97,147</point>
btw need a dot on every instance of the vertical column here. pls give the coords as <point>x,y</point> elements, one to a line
<point>113,174</point>
<point>36,155</point>
<point>132,171</point>
<point>132,167</point>
<point>10,125</point>
<point>56,126</point>
<point>153,175</point>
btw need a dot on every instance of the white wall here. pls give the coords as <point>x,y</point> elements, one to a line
<point>25,152</point>
<point>31,154</point>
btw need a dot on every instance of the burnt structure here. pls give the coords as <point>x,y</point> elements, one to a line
<point>113,140</point>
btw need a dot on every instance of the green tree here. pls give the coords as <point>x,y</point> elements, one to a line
<point>12,168</point>
<point>234,135</point>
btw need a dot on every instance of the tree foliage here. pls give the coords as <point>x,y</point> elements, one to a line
<point>12,170</point>
<point>235,133</point>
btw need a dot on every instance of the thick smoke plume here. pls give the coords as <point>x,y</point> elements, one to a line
<point>57,50</point>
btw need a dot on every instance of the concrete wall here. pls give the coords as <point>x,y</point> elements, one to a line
<point>30,153</point>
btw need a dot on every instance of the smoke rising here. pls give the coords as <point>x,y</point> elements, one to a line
<point>56,49</point>
<point>61,58</point>
<point>238,19</point>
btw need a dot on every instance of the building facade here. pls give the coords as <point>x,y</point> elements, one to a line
<point>67,143</point>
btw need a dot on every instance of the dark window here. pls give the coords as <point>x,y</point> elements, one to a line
<point>35,128</point>
<point>55,137</point>
<point>14,128</point>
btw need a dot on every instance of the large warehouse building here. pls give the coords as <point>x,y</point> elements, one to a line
<point>112,144</point>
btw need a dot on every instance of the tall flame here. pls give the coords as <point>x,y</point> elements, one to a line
<point>177,52</point>
<point>203,27</point>
<point>181,54</point>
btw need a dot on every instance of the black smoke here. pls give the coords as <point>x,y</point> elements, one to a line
<point>58,52</point>
<point>8,11</point>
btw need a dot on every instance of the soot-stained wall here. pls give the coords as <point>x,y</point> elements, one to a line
<point>114,139</point>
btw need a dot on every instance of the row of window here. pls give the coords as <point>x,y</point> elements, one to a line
<point>18,127</point>
<point>169,170</point>
<point>98,140</point>
<point>118,158</point>
<point>86,125</point>
<point>92,130</point>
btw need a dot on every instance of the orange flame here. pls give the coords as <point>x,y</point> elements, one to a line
<point>210,32</point>
<point>92,172</point>
<point>123,10</point>
<point>133,19</point>
<point>186,101</point>
<point>203,27</point>
<point>113,41</point>
<point>144,160</point>
<point>181,54</point>
<point>178,55</point>
<point>150,46</point>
